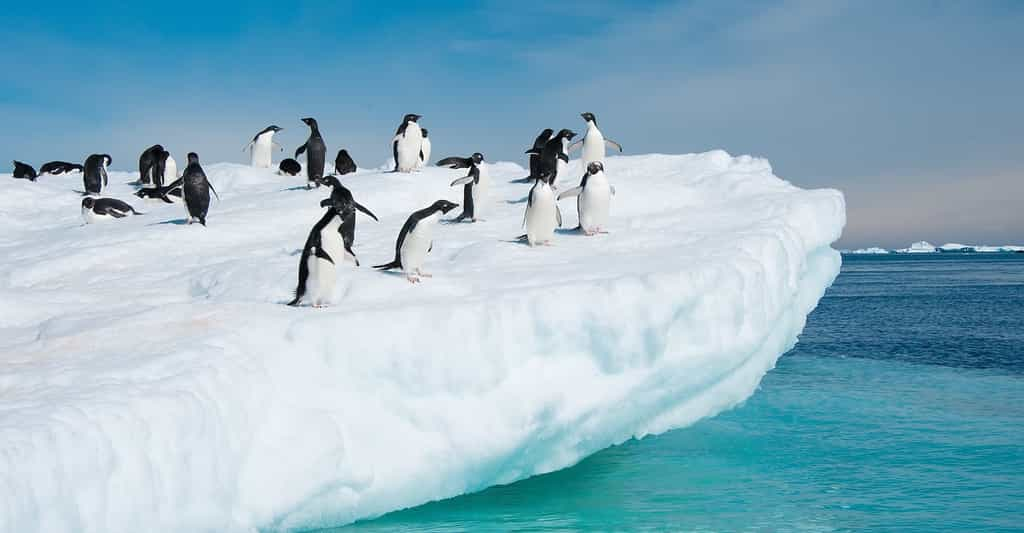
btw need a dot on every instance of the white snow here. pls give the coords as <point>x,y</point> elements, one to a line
<point>152,379</point>
<point>867,251</point>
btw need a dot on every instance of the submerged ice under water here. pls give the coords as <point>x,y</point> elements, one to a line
<point>151,374</point>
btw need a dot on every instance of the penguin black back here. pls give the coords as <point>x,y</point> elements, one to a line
<point>442,206</point>
<point>196,190</point>
<point>343,164</point>
<point>553,151</point>
<point>341,200</point>
<point>59,167</point>
<point>316,153</point>
<point>289,167</point>
<point>23,171</point>
<point>146,162</point>
<point>94,177</point>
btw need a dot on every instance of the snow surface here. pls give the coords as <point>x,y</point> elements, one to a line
<point>152,379</point>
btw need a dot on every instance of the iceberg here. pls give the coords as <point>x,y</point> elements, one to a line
<point>874,250</point>
<point>920,247</point>
<point>152,379</point>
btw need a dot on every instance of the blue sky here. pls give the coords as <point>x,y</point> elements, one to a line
<point>914,109</point>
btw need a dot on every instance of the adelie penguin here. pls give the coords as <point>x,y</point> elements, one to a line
<point>289,167</point>
<point>325,247</point>
<point>262,146</point>
<point>538,146</point>
<point>407,143</point>
<point>316,154</point>
<point>593,143</point>
<point>343,164</point>
<point>196,191</point>
<point>542,213</point>
<point>94,177</point>
<point>163,171</point>
<point>24,171</point>
<point>593,199</point>
<point>424,149</point>
<point>167,193</point>
<point>57,168</point>
<point>554,156</point>
<point>147,160</point>
<point>476,185</point>
<point>102,209</point>
<point>416,239</point>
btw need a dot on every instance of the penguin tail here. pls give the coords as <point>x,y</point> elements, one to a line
<point>295,301</point>
<point>527,179</point>
<point>389,266</point>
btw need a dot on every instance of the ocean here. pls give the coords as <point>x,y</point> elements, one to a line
<point>900,409</point>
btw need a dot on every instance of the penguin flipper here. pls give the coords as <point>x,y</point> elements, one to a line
<point>612,144</point>
<point>248,146</point>
<point>455,162</point>
<point>299,150</point>
<point>279,147</point>
<point>533,151</point>
<point>214,191</point>
<point>563,157</point>
<point>394,152</point>
<point>388,266</point>
<point>320,253</point>
<point>575,191</point>
<point>576,145</point>
<point>462,181</point>
<point>558,215</point>
<point>365,210</point>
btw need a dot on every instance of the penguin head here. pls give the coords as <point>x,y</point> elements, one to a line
<point>424,131</point>
<point>566,134</point>
<point>595,167</point>
<point>88,202</point>
<point>274,128</point>
<point>193,158</point>
<point>589,117</point>
<point>412,117</point>
<point>331,181</point>
<point>547,176</point>
<point>477,158</point>
<point>107,160</point>
<point>443,206</point>
<point>311,122</point>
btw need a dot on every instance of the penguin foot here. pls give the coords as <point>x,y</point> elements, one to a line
<point>423,274</point>
<point>413,279</point>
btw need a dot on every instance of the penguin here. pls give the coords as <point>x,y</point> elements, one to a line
<point>23,171</point>
<point>316,154</point>
<point>168,193</point>
<point>261,146</point>
<point>343,164</point>
<point>341,196</point>
<point>170,172</point>
<point>324,248</point>
<point>94,176</point>
<point>424,149</point>
<point>102,209</point>
<point>538,146</point>
<point>593,198</point>
<point>164,169</point>
<point>416,240</point>
<point>146,162</point>
<point>57,168</point>
<point>289,167</point>
<point>196,190</point>
<point>593,142</point>
<point>475,184</point>
<point>542,213</point>
<point>407,143</point>
<point>554,156</point>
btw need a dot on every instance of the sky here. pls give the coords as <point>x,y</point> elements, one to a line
<point>913,108</point>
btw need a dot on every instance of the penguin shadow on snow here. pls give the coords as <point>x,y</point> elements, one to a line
<point>522,200</point>
<point>175,221</point>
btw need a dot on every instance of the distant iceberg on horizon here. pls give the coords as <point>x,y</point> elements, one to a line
<point>925,247</point>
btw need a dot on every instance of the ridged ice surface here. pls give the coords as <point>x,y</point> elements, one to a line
<point>150,375</point>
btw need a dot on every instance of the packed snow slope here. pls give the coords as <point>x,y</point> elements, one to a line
<point>152,379</point>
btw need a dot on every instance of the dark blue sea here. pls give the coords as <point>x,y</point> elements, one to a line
<point>901,409</point>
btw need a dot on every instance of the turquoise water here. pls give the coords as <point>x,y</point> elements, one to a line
<point>902,408</point>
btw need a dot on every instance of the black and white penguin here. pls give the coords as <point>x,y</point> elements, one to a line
<point>24,171</point>
<point>553,157</point>
<point>324,249</point>
<point>424,149</point>
<point>57,168</point>
<point>343,164</point>
<point>407,143</point>
<point>167,193</point>
<point>593,143</point>
<point>341,196</point>
<point>416,240</point>
<point>262,146</point>
<point>94,177</point>
<point>542,213</point>
<point>163,170</point>
<point>538,146</point>
<point>476,185</point>
<point>316,154</point>
<point>196,190</point>
<point>593,199</point>
<point>147,160</point>
<point>289,167</point>
<point>102,209</point>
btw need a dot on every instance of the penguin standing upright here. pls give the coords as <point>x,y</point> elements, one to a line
<point>416,239</point>
<point>343,164</point>
<point>316,154</point>
<point>593,143</point>
<point>554,156</point>
<point>324,249</point>
<point>146,162</point>
<point>424,149</point>
<point>24,171</point>
<point>476,185</point>
<point>196,190</point>
<point>164,169</point>
<point>538,146</point>
<point>262,146</point>
<point>542,214</point>
<point>94,177</point>
<point>341,196</point>
<point>407,143</point>
<point>593,199</point>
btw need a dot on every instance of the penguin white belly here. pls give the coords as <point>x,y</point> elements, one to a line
<point>322,278</point>
<point>594,203</point>
<point>90,216</point>
<point>481,192</point>
<point>331,241</point>
<point>541,217</point>
<point>261,150</point>
<point>170,170</point>
<point>425,148</point>
<point>409,148</point>
<point>417,244</point>
<point>593,147</point>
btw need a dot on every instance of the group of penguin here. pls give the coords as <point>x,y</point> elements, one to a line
<point>331,238</point>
